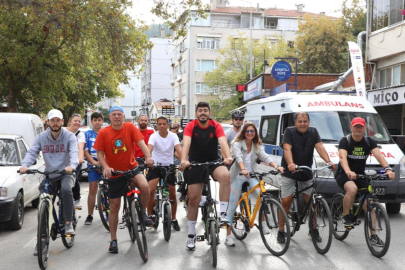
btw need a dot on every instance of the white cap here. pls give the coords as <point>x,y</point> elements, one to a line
<point>55,113</point>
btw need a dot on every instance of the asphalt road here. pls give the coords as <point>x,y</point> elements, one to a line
<point>90,250</point>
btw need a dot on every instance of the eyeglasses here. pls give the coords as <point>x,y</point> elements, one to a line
<point>250,131</point>
<point>238,119</point>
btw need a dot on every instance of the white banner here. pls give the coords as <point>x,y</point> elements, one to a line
<point>389,96</point>
<point>358,70</point>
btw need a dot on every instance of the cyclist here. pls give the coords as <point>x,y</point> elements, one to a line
<point>246,147</point>
<point>60,152</point>
<point>298,145</point>
<point>74,124</point>
<point>143,121</point>
<point>115,151</point>
<point>90,153</point>
<point>237,122</point>
<point>176,129</point>
<point>161,145</point>
<point>353,153</point>
<point>200,144</point>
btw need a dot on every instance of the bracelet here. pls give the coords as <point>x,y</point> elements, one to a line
<point>387,168</point>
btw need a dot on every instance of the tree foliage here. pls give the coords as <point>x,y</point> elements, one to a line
<point>354,16</point>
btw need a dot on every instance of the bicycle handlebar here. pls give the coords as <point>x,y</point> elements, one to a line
<point>260,175</point>
<point>194,164</point>
<point>138,168</point>
<point>373,177</point>
<point>32,171</point>
<point>302,168</point>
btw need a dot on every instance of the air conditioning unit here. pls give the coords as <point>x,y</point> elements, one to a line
<point>178,78</point>
<point>172,82</point>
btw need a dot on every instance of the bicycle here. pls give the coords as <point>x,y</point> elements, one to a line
<point>381,226</point>
<point>103,201</point>
<point>163,207</point>
<point>320,217</point>
<point>269,212</point>
<point>47,229</point>
<point>132,213</point>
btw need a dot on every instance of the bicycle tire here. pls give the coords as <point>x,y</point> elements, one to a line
<point>43,235</point>
<point>381,217</point>
<point>323,223</point>
<point>240,221</point>
<point>69,240</point>
<point>269,216</point>
<point>336,207</point>
<point>213,243</point>
<point>132,224</point>
<point>141,241</point>
<point>103,205</point>
<point>157,212</point>
<point>167,221</point>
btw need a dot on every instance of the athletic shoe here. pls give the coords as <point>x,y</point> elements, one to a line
<point>89,220</point>
<point>281,237</point>
<point>113,247</point>
<point>229,241</point>
<point>36,250</point>
<point>223,220</point>
<point>175,224</point>
<point>376,241</point>
<point>202,200</point>
<point>318,238</point>
<point>266,229</point>
<point>347,221</point>
<point>78,205</point>
<point>69,229</point>
<point>147,221</point>
<point>183,197</point>
<point>191,242</point>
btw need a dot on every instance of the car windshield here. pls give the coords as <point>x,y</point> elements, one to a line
<point>332,126</point>
<point>8,153</point>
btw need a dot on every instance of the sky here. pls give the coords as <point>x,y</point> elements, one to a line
<point>141,8</point>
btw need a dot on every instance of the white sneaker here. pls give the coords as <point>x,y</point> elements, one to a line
<point>191,242</point>
<point>223,220</point>
<point>266,229</point>
<point>229,241</point>
<point>203,200</point>
<point>78,205</point>
<point>69,229</point>
<point>36,250</point>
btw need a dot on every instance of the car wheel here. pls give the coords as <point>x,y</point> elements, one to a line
<point>17,218</point>
<point>393,208</point>
<point>35,203</point>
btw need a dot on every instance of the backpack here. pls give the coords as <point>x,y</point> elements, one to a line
<point>366,139</point>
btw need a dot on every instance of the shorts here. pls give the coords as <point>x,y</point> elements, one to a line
<point>94,175</point>
<point>118,187</point>
<point>154,173</point>
<point>287,186</point>
<point>342,178</point>
<point>198,175</point>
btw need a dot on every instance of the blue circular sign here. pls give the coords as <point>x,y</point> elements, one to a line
<point>281,70</point>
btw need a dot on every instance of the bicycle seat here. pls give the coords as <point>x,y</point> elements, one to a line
<point>245,186</point>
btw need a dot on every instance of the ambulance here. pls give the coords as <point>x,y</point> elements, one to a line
<point>331,115</point>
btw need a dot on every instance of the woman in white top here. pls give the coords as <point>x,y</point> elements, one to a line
<point>75,121</point>
<point>246,149</point>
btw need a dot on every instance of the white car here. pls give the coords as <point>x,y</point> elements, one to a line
<point>226,126</point>
<point>16,190</point>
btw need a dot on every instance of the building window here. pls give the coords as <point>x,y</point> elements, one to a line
<point>224,23</point>
<point>387,12</point>
<point>208,43</point>
<point>203,89</point>
<point>205,65</point>
<point>392,76</point>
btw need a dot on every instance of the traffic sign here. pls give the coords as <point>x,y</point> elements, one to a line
<point>133,113</point>
<point>281,71</point>
<point>168,110</point>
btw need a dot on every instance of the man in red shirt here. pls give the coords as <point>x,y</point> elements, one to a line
<point>115,151</point>
<point>146,132</point>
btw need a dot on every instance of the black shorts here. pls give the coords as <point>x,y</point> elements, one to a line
<point>154,173</point>
<point>342,178</point>
<point>198,175</point>
<point>118,187</point>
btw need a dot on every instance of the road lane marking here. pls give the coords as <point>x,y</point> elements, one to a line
<point>29,242</point>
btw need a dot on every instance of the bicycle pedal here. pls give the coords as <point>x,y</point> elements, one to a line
<point>171,202</point>
<point>200,238</point>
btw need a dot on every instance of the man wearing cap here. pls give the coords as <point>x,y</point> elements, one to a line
<point>115,151</point>
<point>354,150</point>
<point>60,151</point>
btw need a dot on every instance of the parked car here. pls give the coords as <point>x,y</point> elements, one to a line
<point>226,126</point>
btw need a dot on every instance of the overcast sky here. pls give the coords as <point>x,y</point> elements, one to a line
<point>141,8</point>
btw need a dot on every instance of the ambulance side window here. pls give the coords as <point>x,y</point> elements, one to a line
<point>268,129</point>
<point>287,120</point>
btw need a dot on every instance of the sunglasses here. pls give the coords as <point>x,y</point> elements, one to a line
<point>250,131</point>
<point>238,119</point>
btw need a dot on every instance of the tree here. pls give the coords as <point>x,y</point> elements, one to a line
<point>321,45</point>
<point>354,16</point>
<point>233,68</point>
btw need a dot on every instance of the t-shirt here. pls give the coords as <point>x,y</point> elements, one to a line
<point>163,147</point>
<point>146,133</point>
<point>230,135</point>
<point>80,137</point>
<point>204,141</point>
<point>357,153</point>
<point>91,136</point>
<point>247,162</point>
<point>118,146</point>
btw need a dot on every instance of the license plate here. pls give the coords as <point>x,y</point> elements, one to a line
<point>379,191</point>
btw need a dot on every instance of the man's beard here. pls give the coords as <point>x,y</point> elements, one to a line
<point>203,121</point>
<point>143,126</point>
<point>56,129</point>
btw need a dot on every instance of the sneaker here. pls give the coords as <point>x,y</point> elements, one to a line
<point>318,238</point>
<point>88,220</point>
<point>69,229</point>
<point>183,197</point>
<point>36,250</point>
<point>347,221</point>
<point>223,220</point>
<point>78,205</point>
<point>202,200</point>
<point>175,224</point>
<point>281,237</point>
<point>191,242</point>
<point>266,229</point>
<point>113,247</point>
<point>376,241</point>
<point>147,221</point>
<point>229,241</point>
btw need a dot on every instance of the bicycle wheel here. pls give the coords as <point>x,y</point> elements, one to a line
<point>339,230</point>
<point>269,216</point>
<point>213,242</point>
<point>43,236</point>
<point>132,223</point>
<point>240,225</point>
<point>320,226</point>
<point>103,205</point>
<point>377,230</point>
<point>167,221</point>
<point>141,241</point>
<point>157,212</point>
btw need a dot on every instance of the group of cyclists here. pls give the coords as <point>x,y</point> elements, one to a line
<point>121,146</point>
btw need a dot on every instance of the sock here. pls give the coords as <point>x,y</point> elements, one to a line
<point>223,207</point>
<point>191,227</point>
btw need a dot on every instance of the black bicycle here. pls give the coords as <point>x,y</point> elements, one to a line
<point>103,201</point>
<point>377,228</point>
